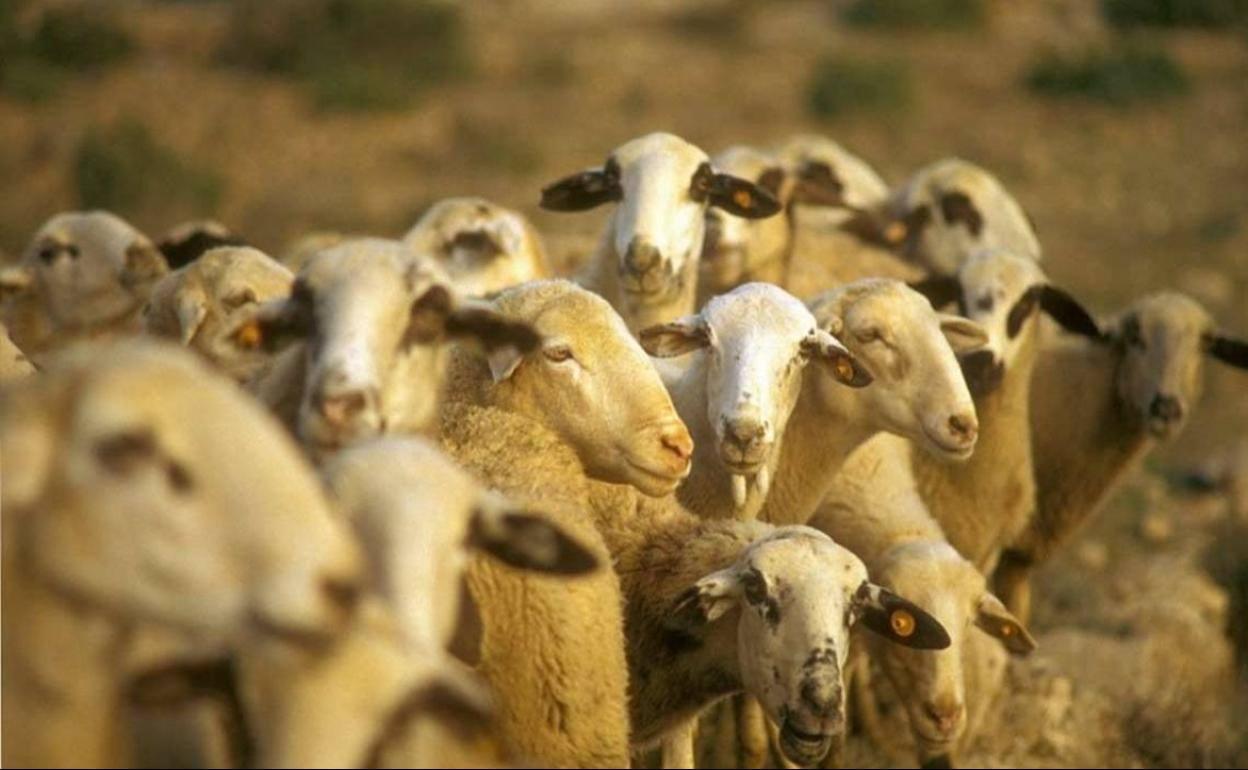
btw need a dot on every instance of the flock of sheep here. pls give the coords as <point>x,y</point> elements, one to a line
<point>419,502</point>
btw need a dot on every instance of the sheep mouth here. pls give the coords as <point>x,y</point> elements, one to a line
<point>959,451</point>
<point>657,477</point>
<point>1162,428</point>
<point>803,748</point>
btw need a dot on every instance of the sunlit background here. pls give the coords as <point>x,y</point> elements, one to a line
<point>1120,125</point>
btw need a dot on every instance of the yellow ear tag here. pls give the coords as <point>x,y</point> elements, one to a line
<point>902,623</point>
<point>1007,630</point>
<point>742,198</point>
<point>844,369</point>
<point>249,335</point>
<point>895,232</point>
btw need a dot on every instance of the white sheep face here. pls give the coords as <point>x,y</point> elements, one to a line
<point>152,488</point>
<point>734,245</point>
<point>799,593</point>
<point>375,320</point>
<point>91,268</point>
<point>917,390</point>
<point>995,294</point>
<point>758,339</point>
<point>483,247</point>
<point>932,683</point>
<point>592,384</point>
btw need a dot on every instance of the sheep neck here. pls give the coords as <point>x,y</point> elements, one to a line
<point>826,425</point>
<point>64,705</point>
<point>983,502</point>
<point>675,674</point>
<point>1083,440</point>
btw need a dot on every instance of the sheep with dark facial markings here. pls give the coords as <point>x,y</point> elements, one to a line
<point>646,263</point>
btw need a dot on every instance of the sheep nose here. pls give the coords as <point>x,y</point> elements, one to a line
<point>676,439</point>
<point>945,714</point>
<point>964,427</point>
<point>822,695</point>
<point>342,593</point>
<point>339,408</point>
<point>745,431</point>
<point>642,256</point>
<point>1166,407</point>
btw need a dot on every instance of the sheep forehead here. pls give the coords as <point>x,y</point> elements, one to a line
<point>90,229</point>
<point>873,302</point>
<point>743,161</point>
<point>405,475</point>
<point>804,147</point>
<point>958,175</point>
<point>660,146</point>
<point>1171,313</point>
<point>232,265</point>
<point>936,577</point>
<point>800,555</point>
<point>759,309</point>
<point>998,270</point>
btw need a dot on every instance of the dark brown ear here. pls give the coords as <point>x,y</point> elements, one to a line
<point>275,324</point>
<point>187,243</point>
<point>1022,310</point>
<point>940,290</point>
<point>818,185</point>
<point>996,620</point>
<point>957,207</point>
<point>901,622</point>
<point>772,180</point>
<point>491,329</point>
<point>741,197</point>
<point>876,227</point>
<point>427,319</point>
<point>1068,313</point>
<point>583,191</point>
<point>1228,350</point>
<point>529,542</point>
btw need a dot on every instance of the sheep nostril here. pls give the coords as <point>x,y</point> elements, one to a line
<point>340,408</point>
<point>677,441</point>
<point>1164,407</point>
<point>342,593</point>
<point>963,427</point>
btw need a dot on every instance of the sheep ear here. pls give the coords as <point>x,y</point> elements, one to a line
<point>958,207</point>
<point>527,541</point>
<point>14,280</point>
<point>706,601</point>
<point>898,620</point>
<point>189,241</point>
<point>1228,350</point>
<point>818,185</point>
<point>675,338</point>
<point>963,334</point>
<point>270,327</point>
<point>490,329</point>
<point>1022,310</point>
<point>143,264</point>
<point>996,620</point>
<point>581,192</point>
<point>192,309</point>
<point>940,290</point>
<point>427,318</point>
<point>741,197</point>
<point>1067,311</point>
<point>823,347</point>
<point>772,180</point>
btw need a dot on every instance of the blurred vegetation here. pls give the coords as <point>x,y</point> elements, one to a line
<point>1175,13</point>
<point>354,54</point>
<point>66,40</point>
<point>727,21</point>
<point>1119,75</point>
<point>840,86</point>
<point>917,14</point>
<point>123,168</point>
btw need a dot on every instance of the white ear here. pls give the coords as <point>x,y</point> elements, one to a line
<point>964,335</point>
<point>675,338</point>
<point>192,310</point>
<point>503,362</point>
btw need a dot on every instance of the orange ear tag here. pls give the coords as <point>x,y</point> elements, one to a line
<point>844,369</point>
<point>902,623</point>
<point>248,337</point>
<point>742,198</point>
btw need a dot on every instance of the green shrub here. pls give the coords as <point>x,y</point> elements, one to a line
<point>123,168</point>
<point>355,54</point>
<point>77,37</point>
<point>916,14</point>
<point>839,86</point>
<point>1175,13</point>
<point>1117,76</point>
<point>31,80</point>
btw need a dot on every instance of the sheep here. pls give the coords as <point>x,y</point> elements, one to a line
<point>510,424</point>
<point>842,184</point>
<point>299,250</point>
<point>1099,406</point>
<point>201,303</point>
<point>646,263</point>
<point>875,510</point>
<point>13,362</point>
<point>481,245</point>
<point>984,502</point>
<point>141,488</point>
<point>893,337</point>
<point>365,333</point>
<point>975,211</point>
<point>188,241</point>
<point>85,274</point>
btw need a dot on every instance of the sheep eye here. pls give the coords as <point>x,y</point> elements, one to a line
<point>48,253</point>
<point>557,353</point>
<point>867,335</point>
